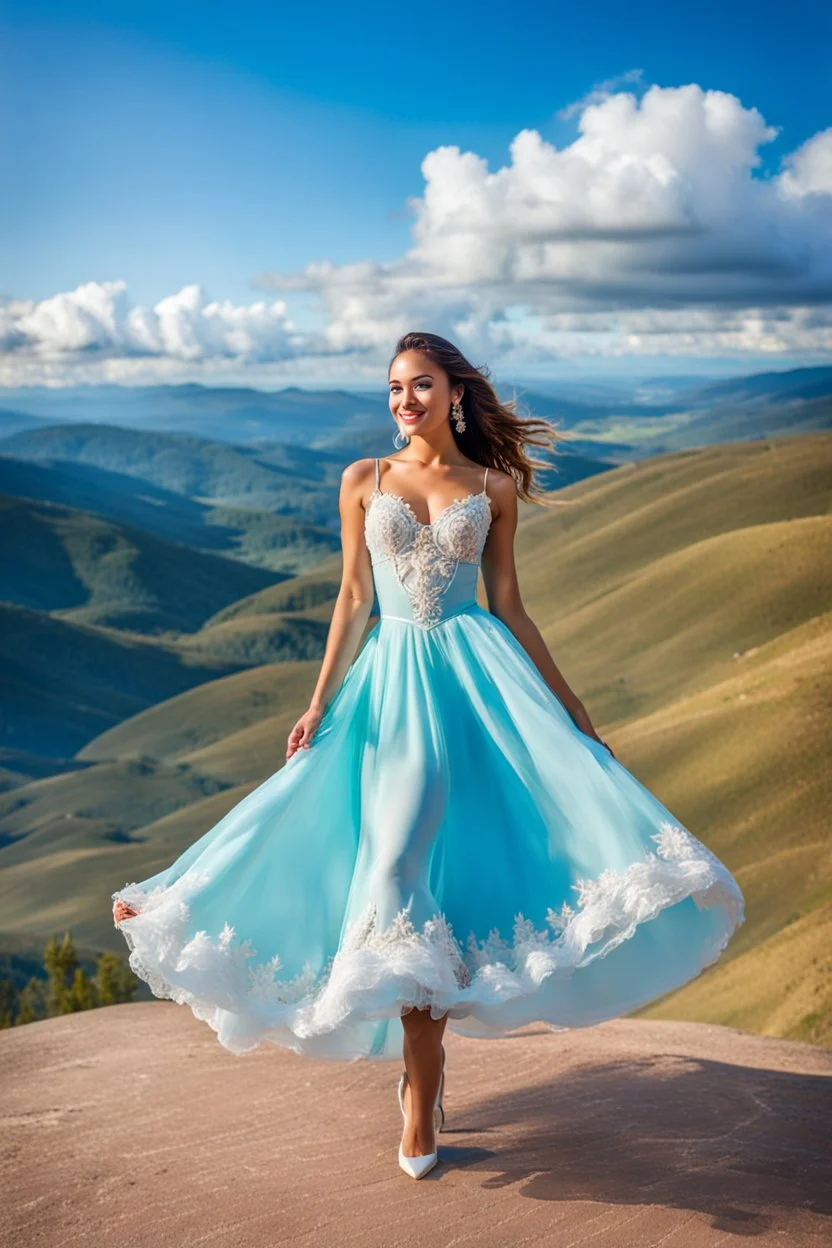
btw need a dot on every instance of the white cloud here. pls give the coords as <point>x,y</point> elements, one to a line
<point>808,171</point>
<point>654,206</point>
<point>96,325</point>
<point>651,232</point>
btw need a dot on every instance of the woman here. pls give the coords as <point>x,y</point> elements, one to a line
<point>450,841</point>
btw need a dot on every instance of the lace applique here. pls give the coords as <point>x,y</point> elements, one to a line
<point>377,973</point>
<point>425,556</point>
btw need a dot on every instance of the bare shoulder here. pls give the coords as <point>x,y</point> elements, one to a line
<point>356,476</point>
<point>502,490</point>
<point>357,472</point>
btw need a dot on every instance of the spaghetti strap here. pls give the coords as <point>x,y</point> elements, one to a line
<point>484,480</point>
<point>376,474</point>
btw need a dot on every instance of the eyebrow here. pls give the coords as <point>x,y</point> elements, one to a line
<point>394,380</point>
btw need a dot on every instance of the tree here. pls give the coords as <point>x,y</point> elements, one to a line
<point>61,963</point>
<point>67,987</point>
<point>83,994</point>
<point>33,1002</point>
<point>9,1002</point>
<point>114,981</point>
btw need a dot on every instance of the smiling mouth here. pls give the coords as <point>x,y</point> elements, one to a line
<point>411,415</point>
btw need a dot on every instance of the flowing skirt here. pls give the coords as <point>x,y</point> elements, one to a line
<point>451,841</point>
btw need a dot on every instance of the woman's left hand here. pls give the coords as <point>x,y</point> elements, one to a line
<point>583,722</point>
<point>121,910</point>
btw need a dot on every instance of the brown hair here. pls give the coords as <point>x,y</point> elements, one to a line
<point>495,435</point>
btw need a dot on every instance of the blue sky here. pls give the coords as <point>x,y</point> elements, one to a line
<point>226,147</point>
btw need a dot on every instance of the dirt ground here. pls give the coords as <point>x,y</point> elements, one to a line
<point>132,1125</point>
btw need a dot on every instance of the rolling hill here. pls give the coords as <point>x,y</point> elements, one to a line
<point>785,385</point>
<point>686,598</point>
<point>259,538</point>
<point>97,572</point>
<point>297,482</point>
<point>764,405</point>
<point>16,422</point>
<point>62,684</point>
<point>223,413</point>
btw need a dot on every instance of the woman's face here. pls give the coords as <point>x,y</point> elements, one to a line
<point>420,393</point>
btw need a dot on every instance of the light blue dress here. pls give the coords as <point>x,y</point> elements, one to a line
<point>450,840</point>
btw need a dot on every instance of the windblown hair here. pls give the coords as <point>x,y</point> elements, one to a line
<point>495,435</point>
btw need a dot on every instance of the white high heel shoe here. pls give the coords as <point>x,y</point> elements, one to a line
<point>417,1167</point>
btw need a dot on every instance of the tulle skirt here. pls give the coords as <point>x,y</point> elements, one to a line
<point>450,841</point>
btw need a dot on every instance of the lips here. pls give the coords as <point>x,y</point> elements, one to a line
<point>411,417</point>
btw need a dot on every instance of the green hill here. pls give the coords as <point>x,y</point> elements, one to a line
<point>260,538</point>
<point>298,482</point>
<point>686,599</point>
<point>115,801</point>
<point>61,684</point>
<point>58,559</point>
<point>305,593</point>
<point>264,638</point>
<point>208,714</point>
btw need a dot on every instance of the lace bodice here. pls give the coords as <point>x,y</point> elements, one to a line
<point>425,557</point>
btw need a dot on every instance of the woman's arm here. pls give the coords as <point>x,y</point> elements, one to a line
<point>504,599</point>
<point>352,605</point>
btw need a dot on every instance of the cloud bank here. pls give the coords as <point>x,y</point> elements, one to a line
<point>649,234</point>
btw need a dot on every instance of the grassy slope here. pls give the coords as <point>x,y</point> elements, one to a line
<point>302,594</point>
<point>259,538</point>
<point>62,684</point>
<point>686,601</point>
<point>99,572</point>
<point>210,714</point>
<point>196,467</point>
<point>746,762</point>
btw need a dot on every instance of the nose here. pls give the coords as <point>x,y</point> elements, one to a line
<point>408,400</point>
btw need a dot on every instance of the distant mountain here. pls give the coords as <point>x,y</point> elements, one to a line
<point>735,420</point>
<point>776,387</point>
<point>17,422</point>
<point>91,569</point>
<point>292,481</point>
<point>771,405</point>
<point>229,414</point>
<point>341,419</point>
<point>669,414</point>
<point>260,538</point>
<point>347,425</point>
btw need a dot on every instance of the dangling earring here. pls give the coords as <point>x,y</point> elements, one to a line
<point>458,416</point>
<point>396,441</point>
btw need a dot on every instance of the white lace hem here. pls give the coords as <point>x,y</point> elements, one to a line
<point>494,984</point>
